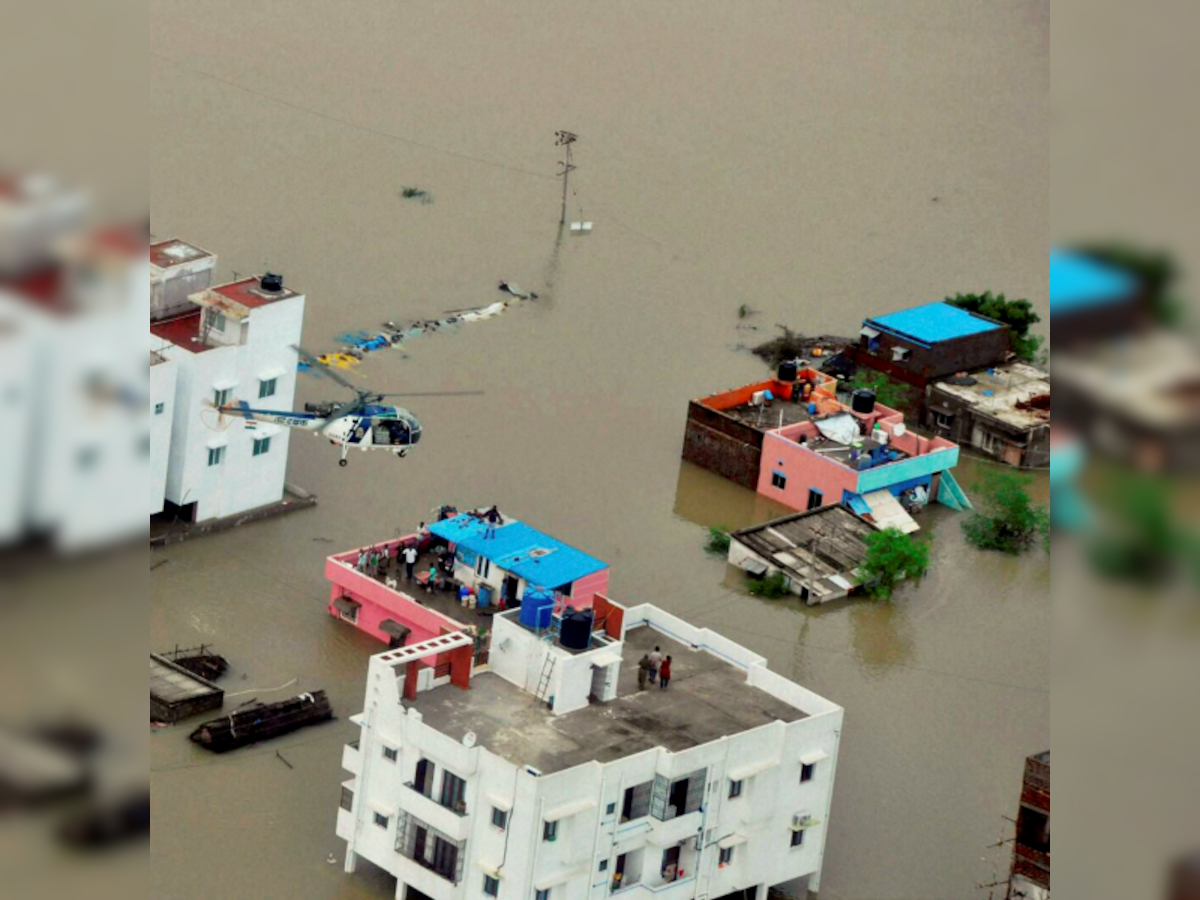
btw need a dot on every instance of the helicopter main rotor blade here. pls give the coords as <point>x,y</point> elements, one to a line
<point>317,366</point>
<point>432,394</point>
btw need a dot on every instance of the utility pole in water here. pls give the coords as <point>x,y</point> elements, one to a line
<point>565,139</point>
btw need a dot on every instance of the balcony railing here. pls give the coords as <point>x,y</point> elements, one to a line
<point>458,809</point>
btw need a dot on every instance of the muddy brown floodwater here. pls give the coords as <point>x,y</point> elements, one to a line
<point>816,161</point>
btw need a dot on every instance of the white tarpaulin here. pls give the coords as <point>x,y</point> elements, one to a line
<point>887,512</point>
<point>842,428</point>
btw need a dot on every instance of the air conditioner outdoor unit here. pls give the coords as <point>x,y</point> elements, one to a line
<point>800,820</point>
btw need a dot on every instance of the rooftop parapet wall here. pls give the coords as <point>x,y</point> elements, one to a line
<point>755,666</point>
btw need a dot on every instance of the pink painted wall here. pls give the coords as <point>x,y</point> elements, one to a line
<point>380,602</point>
<point>804,469</point>
<point>587,587</point>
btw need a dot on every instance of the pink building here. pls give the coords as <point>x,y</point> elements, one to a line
<point>372,604</point>
<point>865,459</point>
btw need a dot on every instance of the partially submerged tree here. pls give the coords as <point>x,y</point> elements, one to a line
<point>1157,272</point>
<point>892,556</point>
<point>718,539</point>
<point>1018,315</point>
<point>1007,520</point>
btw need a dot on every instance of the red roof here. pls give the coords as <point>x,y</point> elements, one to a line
<point>180,331</point>
<point>248,293</point>
<point>41,288</point>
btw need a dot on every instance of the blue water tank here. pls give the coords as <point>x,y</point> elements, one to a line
<point>484,596</point>
<point>536,608</point>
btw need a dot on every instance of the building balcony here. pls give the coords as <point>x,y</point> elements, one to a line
<point>454,823</point>
<point>352,758</point>
<point>673,831</point>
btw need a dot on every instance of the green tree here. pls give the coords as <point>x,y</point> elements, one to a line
<point>1156,271</point>
<point>892,555</point>
<point>887,392</point>
<point>1008,520</point>
<point>1018,315</point>
<point>718,539</point>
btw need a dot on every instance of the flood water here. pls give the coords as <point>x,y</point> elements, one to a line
<point>816,161</point>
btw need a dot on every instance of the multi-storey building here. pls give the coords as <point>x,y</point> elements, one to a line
<point>1030,879</point>
<point>230,342</point>
<point>73,373</point>
<point>550,774</point>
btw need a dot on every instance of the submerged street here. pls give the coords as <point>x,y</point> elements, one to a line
<point>889,177</point>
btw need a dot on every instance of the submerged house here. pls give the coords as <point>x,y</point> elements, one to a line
<point>932,341</point>
<point>1002,412</point>
<point>725,431</point>
<point>863,457</point>
<point>818,551</point>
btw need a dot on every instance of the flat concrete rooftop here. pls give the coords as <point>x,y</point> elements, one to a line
<point>766,418</point>
<point>707,699</point>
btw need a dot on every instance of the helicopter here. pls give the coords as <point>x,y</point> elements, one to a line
<point>364,423</point>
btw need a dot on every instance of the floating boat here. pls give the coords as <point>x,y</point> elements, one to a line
<point>263,721</point>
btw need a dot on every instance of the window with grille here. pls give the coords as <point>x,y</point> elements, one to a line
<point>221,396</point>
<point>798,838</point>
<point>216,456</point>
<point>390,754</point>
<point>381,820</point>
<point>267,388</point>
<point>261,445</point>
<point>726,856</point>
<point>735,789</point>
<point>491,886</point>
<point>347,802</point>
<point>778,480</point>
<point>499,818</point>
<point>550,831</point>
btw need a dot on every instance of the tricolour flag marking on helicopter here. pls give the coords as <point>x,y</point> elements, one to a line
<point>251,422</point>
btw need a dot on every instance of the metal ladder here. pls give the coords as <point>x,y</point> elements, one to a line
<point>544,681</point>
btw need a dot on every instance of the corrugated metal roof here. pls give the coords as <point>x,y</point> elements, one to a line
<point>934,322</point>
<point>1078,282</point>
<point>516,547</point>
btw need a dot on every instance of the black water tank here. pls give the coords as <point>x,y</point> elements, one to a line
<point>787,371</point>
<point>271,282</point>
<point>576,630</point>
<point>863,401</point>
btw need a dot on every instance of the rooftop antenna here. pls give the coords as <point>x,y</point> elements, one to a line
<point>565,139</point>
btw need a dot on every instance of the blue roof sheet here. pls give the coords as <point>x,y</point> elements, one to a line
<point>934,322</point>
<point>1079,282</point>
<point>516,547</point>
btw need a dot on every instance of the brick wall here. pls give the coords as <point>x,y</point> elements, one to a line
<point>722,445</point>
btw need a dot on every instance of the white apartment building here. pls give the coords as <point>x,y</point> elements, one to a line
<point>554,777</point>
<point>226,343</point>
<point>72,298</point>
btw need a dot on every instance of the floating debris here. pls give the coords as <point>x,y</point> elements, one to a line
<point>199,661</point>
<point>357,344</point>
<point>263,722</point>
<point>416,194</point>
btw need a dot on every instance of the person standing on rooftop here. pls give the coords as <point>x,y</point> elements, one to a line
<point>410,561</point>
<point>493,518</point>
<point>664,674</point>
<point>643,671</point>
<point>656,659</point>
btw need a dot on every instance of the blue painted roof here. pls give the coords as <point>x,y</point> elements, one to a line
<point>1079,282</point>
<point>518,548</point>
<point>933,322</point>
